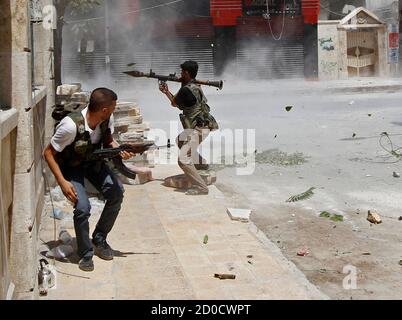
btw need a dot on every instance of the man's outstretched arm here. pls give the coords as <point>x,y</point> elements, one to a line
<point>163,87</point>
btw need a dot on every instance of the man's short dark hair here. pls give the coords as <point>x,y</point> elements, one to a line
<point>190,66</point>
<point>101,98</point>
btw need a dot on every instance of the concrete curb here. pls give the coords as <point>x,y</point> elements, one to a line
<point>277,254</point>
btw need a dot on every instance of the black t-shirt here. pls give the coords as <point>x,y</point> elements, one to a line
<point>185,98</point>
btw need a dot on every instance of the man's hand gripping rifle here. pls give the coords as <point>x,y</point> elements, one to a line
<point>114,155</point>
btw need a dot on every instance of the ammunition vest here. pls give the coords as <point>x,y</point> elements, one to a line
<point>198,115</point>
<point>81,149</point>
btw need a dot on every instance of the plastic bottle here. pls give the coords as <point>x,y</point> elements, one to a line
<point>65,237</point>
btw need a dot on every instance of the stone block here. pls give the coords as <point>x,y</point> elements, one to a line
<point>131,136</point>
<point>68,89</point>
<point>242,215</point>
<point>139,127</point>
<point>126,106</point>
<point>128,120</point>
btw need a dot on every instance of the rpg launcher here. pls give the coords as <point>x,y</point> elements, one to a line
<point>172,77</point>
<point>114,155</point>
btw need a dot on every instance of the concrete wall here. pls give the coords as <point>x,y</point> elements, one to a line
<point>33,104</point>
<point>328,50</point>
<point>8,134</point>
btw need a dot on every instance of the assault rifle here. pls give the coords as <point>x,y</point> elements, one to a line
<point>172,77</point>
<point>114,155</point>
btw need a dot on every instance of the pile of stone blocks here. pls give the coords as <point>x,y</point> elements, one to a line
<point>70,97</point>
<point>130,128</point>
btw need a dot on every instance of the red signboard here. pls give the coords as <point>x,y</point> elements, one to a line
<point>225,12</point>
<point>310,11</point>
<point>393,41</point>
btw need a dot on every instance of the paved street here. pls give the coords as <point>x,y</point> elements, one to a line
<point>160,254</point>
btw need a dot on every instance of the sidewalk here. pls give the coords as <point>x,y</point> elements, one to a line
<point>160,254</point>
<point>302,86</point>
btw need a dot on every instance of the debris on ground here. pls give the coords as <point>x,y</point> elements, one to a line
<point>302,196</point>
<point>303,252</point>
<point>223,276</point>
<point>325,214</point>
<point>205,239</point>
<point>333,217</point>
<point>396,174</point>
<point>60,252</point>
<point>373,217</point>
<point>336,217</point>
<point>65,237</point>
<point>279,158</point>
<point>242,215</point>
<point>57,214</point>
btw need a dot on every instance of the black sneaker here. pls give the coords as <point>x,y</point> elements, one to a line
<point>86,264</point>
<point>103,250</point>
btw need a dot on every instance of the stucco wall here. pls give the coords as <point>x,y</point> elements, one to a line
<point>328,50</point>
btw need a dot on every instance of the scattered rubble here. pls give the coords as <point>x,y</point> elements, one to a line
<point>288,108</point>
<point>302,196</point>
<point>224,276</point>
<point>280,158</point>
<point>242,215</point>
<point>303,252</point>
<point>396,175</point>
<point>205,239</point>
<point>333,217</point>
<point>374,217</point>
<point>337,217</point>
